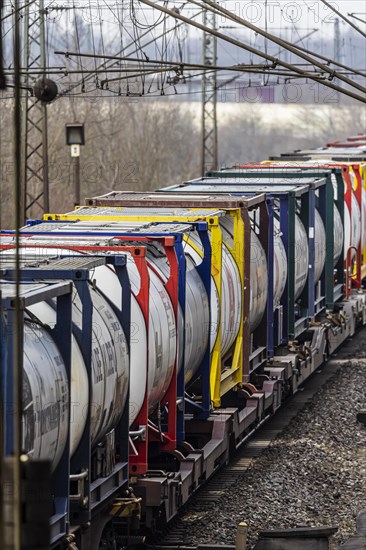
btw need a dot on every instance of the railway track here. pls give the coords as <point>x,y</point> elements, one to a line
<point>176,534</point>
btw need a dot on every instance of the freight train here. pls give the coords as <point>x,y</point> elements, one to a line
<point>161,328</point>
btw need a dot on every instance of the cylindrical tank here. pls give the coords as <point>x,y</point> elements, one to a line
<point>258,281</point>
<point>338,235</point>
<point>352,226</point>
<point>197,319</point>
<point>110,368</point>
<point>79,390</point>
<point>160,347</point>
<point>45,396</point>
<point>227,311</point>
<point>280,265</point>
<point>356,222</point>
<point>107,281</point>
<point>162,341</point>
<point>231,299</point>
<point>197,314</point>
<point>320,246</point>
<point>301,257</point>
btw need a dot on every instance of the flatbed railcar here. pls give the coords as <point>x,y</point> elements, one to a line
<point>162,328</point>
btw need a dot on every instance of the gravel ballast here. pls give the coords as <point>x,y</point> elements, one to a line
<point>313,474</point>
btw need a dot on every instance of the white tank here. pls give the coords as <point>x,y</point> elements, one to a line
<point>79,391</point>
<point>229,311</point>
<point>197,319</point>
<point>107,280</point>
<point>162,341</point>
<point>320,247</point>
<point>45,396</point>
<point>110,363</point>
<point>356,222</point>
<point>280,265</point>
<point>110,369</point>
<point>219,311</point>
<point>338,235</point>
<point>301,257</point>
<point>258,281</point>
<point>160,347</point>
<point>352,227</point>
<point>231,302</point>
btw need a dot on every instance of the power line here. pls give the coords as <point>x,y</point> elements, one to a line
<point>262,54</point>
<point>334,9</point>
<point>358,18</point>
<point>284,43</point>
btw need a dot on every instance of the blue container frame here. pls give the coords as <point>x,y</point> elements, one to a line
<point>287,208</point>
<point>202,409</point>
<point>101,489</point>
<point>61,333</point>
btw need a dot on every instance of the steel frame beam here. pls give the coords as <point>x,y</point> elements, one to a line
<point>35,184</point>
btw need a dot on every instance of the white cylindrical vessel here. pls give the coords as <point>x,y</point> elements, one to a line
<point>162,341</point>
<point>356,222</point>
<point>197,319</point>
<point>301,257</point>
<point>79,388</point>
<point>110,368</point>
<point>159,347</point>
<point>110,361</point>
<point>352,226</point>
<point>320,246</point>
<point>280,265</point>
<point>45,396</point>
<point>258,281</point>
<point>231,300</point>
<point>197,314</point>
<point>338,235</point>
<point>107,281</point>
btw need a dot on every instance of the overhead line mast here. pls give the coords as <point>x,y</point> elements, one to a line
<point>35,188</point>
<point>209,151</point>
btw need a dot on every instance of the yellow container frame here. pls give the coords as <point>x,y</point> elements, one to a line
<point>221,380</point>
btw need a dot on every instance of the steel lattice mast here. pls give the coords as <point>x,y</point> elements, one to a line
<point>35,192</point>
<point>209,158</point>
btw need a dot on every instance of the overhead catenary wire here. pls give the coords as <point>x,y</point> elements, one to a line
<point>111,62</point>
<point>171,63</point>
<point>262,54</point>
<point>332,7</point>
<point>176,66</point>
<point>236,77</point>
<point>358,18</point>
<point>328,60</point>
<point>133,42</point>
<point>17,10</point>
<point>197,6</point>
<point>280,41</point>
